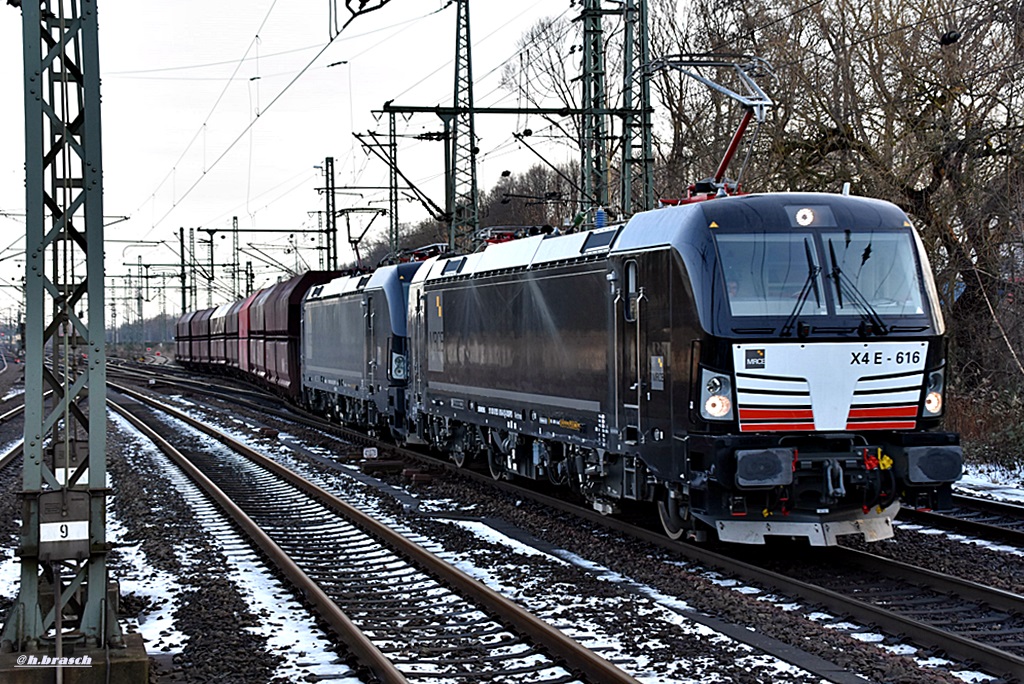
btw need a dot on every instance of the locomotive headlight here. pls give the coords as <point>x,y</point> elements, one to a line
<point>805,216</point>
<point>399,366</point>
<point>716,396</point>
<point>933,397</point>
<point>718,406</point>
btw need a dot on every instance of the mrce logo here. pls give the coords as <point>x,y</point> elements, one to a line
<point>754,359</point>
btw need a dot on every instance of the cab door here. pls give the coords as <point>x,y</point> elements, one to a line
<point>631,388</point>
<point>645,318</point>
<point>369,347</point>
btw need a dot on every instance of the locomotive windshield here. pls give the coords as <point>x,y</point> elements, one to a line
<point>815,273</point>
<point>766,272</point>
<point>881,267</point>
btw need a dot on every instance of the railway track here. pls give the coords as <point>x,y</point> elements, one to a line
<point>405,613</point>
<point>934,610</point>
<point>975,517</point>
<point>180,378</point>
<point>962,619</point>
<point>12,454</point>
<point>966,620</point>
<point>16,450</point>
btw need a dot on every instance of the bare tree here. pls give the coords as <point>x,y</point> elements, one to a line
<point>540,196</point>
<point>545,71</point>
<point>693,123</point>
<point>920,102</point>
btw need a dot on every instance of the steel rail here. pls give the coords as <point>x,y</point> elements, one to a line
<point>13,453</point>
<point>295,414</point>
<point>941,582</point>
<point>339,622</point>
<point>990,505</point>
<point>558,645</point>
<point>188,383</point>
<point>997,661</point>
<point>4,417</point>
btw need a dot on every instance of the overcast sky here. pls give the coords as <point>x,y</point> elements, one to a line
<point>171,111</point>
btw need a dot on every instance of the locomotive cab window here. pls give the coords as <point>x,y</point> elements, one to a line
<point>766,273</point>
<point>632,290</point>
<point>879,266</point>
<point>832,271</point>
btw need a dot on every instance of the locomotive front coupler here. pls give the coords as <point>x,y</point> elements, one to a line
<point>818,471</point>
<point>841,477</point>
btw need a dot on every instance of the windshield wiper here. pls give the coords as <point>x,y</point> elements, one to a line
<point>877,327</point>
<point>811,284</point>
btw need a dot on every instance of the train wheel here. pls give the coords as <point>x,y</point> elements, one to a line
<point>496,464</point>
<point>458,455</point>
<point>672,516</point>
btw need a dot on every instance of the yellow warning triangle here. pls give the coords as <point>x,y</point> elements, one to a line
<point>714,224</point>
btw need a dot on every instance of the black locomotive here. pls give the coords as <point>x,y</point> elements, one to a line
<point>762,365</point>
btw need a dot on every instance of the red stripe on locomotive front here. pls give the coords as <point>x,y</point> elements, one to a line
<point>884,412</point>
<point>883,425</point>
<point>775,427</point>
<point>775,414</point>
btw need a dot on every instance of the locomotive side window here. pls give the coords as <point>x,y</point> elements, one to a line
<point>631,291</point>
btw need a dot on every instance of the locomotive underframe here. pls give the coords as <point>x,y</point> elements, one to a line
<point>745,487</point>
<point>356,409</point>
<point>529,444</point>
